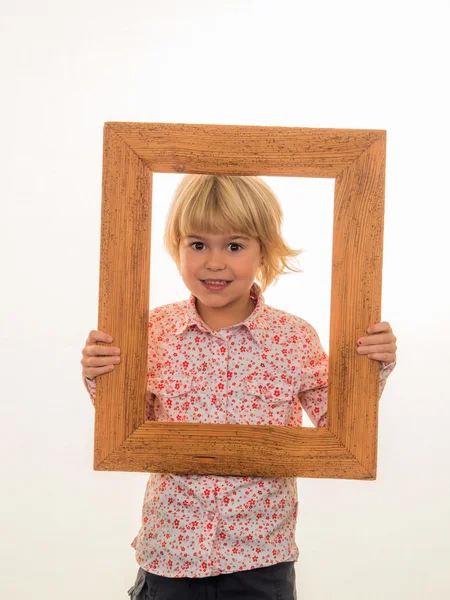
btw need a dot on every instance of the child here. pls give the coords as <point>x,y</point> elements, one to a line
<point>224,356</point>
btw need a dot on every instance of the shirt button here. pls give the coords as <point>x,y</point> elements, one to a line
<point>211,516</point>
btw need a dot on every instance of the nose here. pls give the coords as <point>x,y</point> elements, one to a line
<point>216,261</point>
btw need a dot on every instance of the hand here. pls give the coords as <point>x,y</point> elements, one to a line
<point>98,359</point>
<point>380,344</point>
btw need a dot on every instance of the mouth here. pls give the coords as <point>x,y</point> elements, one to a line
<point>215,286</point>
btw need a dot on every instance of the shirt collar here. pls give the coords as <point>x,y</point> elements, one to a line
<point>189,316</point>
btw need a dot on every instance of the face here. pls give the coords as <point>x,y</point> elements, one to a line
<point>233,257</point>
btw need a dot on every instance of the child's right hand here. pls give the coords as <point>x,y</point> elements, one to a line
<point>98,359</point>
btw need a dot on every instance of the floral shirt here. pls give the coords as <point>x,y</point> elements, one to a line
<point>261,371</point>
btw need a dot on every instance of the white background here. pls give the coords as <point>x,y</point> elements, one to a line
<point>66,68</point>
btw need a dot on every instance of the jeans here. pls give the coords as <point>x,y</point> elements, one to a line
<point>276,582</point>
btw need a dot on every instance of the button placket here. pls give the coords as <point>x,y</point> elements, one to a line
<point>220,342</point>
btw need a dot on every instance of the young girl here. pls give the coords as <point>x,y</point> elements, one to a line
<point>224,356</point>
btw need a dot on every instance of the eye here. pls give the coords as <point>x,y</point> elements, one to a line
<point>230,244</point>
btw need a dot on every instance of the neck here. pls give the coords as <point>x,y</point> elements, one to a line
<point>220,318</point>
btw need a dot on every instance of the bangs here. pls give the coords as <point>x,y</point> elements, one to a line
<point>215,212</point>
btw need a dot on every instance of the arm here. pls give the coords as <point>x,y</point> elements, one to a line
<point>313,393</point>
<point>90,385</point>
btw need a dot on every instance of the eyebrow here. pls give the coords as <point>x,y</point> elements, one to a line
<point>234,237</point>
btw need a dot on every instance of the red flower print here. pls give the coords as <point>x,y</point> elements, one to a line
<point>255,510</point>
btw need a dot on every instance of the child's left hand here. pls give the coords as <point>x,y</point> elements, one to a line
<point>379,344</point>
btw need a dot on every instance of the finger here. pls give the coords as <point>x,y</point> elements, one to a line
<point>100,350</point>
<point>370,349</point>
<point>93,366</point>
<point>100,361</point>
<point>96,372</point>
<point>382,356</point>
<point>379,338</point>
<point>379,327</point>
<point>98,336</point>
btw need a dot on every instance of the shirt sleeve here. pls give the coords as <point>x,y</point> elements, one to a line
<point>152,358</point>
<point>313,393</point>
<point>90,385</point>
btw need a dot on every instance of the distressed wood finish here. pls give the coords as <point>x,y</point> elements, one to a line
<point>355,158</point>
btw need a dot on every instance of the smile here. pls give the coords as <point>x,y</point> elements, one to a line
<point>216,286</point>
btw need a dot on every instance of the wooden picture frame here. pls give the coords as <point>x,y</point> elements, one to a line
<point>355,158</point>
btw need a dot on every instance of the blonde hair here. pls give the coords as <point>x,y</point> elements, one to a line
<point>217,204</point>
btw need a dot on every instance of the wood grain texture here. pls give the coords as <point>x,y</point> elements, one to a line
<point>347,449</point>
<point>245,150</point>
<point>124,292</point>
